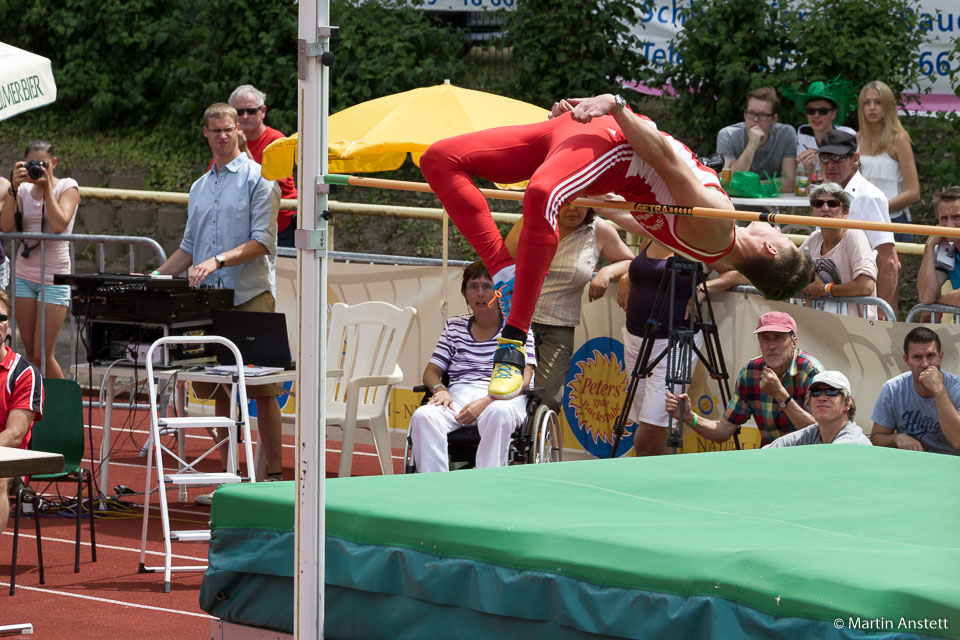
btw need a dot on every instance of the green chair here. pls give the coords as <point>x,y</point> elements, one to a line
<point>59,431</point>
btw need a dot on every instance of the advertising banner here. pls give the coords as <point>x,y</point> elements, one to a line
<point>868,352</point>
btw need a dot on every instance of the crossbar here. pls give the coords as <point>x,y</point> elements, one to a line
<point>700,212</point>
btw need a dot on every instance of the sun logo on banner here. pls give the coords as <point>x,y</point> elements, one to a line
<point>595,389</point>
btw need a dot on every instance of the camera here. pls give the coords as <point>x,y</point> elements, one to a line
<point>35,169</point>
<point>946,255</point>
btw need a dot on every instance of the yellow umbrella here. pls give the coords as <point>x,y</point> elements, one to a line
<point>377,135</point>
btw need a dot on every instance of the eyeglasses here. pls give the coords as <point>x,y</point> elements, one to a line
<point>813,111</point>
<point>833,204</point>
<point>217,132</point>
<point>835,158</point>
<point>249,112</point>
<point>480,286</point>
<point>3,318</point>
<point>831,393</point>
<point>754,115</point>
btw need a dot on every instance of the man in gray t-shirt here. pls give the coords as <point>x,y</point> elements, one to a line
<point>760,143</point>
<point>917,410</point>
<point>833,407</point>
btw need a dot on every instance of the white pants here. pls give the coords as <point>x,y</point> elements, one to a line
<point>648,402</point>
<point>431,423</point>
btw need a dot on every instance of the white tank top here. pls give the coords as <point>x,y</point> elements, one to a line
<point>884,173</point>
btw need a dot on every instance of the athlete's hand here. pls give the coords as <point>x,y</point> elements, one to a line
<point>586,109</point>
<point>560,108</point>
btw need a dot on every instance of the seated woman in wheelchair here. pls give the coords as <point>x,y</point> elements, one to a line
<point>464,353</point>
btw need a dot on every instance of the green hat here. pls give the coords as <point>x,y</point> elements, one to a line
<point>838,92</point>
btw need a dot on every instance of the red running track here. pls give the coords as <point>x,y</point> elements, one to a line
<point>109,598</point>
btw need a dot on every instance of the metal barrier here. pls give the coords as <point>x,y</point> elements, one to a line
<point>917,309</point>
<point>880,303</point>
<point>72,238</point>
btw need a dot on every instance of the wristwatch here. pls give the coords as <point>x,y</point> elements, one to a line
<point>783,405</point>
<point>437,387</point>
<point>221,260</point>
<point>621,103</point>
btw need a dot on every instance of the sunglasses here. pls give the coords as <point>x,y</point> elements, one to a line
<point>833,204</point>
<point>814,393</point>
<point>249,112</point>
<point>818,111</point>
<point>835,158</point>
<point>4,317</point>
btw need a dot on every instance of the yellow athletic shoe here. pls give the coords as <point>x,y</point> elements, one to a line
<point>508,363</point>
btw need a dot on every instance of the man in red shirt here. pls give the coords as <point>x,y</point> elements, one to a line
<point>21,400</point>
<point>254,138</point>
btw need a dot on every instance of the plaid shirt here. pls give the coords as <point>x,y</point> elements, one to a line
<point>748,400</point>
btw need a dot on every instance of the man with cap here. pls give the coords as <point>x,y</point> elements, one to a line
<point>840,161</point>
<point>833,407</point>
<point>824,103</point>
<point>917,410</point>
<point>771,387</point>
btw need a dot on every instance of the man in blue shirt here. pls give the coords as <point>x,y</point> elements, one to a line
<point>230,241</point>
<point>917,410</point>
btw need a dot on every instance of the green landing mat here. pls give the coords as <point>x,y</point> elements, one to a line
<point>818,541</point>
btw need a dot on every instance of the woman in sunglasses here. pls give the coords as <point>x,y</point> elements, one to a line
<point>39,202</point>
<point>886,157</point>
<point>844,265</point>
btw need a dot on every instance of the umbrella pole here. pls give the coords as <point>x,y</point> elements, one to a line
<point>444,300</point>
<point>701,212</point>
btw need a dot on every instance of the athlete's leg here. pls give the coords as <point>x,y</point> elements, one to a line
<point>583,159</point>
<point>505,155</point>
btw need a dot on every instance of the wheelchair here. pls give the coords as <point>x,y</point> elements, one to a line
<point>538,440</point>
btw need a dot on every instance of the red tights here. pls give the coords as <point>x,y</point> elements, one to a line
<point>561,158</point>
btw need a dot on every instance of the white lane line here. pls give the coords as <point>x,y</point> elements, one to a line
<point>100,545</point>
<point>108,601</point>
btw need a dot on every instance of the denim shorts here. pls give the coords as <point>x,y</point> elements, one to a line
<point>53,293</point>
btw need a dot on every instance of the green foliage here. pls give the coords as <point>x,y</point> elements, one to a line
<point>168,159</point>
<point>570,48</point>
<point>385,47</point>
<point>733,46</point>
<point>937,154</point>
<point>120,63</point>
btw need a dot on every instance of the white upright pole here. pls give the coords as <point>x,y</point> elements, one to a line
<point>311,241</point>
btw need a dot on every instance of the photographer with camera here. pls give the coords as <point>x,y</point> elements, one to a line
<point>38,202</point>
<point>939,254</point>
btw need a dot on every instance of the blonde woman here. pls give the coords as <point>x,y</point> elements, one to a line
<point>886,157</point>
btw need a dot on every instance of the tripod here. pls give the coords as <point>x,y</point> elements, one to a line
<point>680,347</point>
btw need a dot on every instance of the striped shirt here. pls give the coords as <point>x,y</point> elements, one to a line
<point>20,388</point>
<point>463,357</point>
<point>571,270</point>
<point>748,400</point>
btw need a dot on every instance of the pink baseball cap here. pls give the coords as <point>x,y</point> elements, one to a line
<point>777,321</point>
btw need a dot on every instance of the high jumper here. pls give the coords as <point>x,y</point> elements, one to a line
<point>590,147</point>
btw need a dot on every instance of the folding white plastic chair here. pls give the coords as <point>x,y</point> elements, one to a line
<point>364,344</point>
